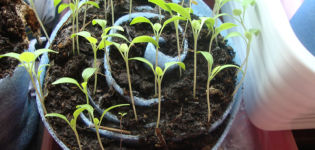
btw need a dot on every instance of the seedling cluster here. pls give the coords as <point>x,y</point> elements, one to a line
<point>178,13</point>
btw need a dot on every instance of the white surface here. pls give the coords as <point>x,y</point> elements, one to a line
<point>280,82</point>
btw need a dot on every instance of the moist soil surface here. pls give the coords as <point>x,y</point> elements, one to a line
<point>183,118</point>
<point>12,36</point>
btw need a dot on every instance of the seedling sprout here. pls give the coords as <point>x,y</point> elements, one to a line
<point>27,60</point>
<point>124,51</point>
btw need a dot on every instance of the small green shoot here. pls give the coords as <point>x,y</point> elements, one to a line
<point>120,125</point>
<point>212,74</point>
<point>93,42</point>
<point>72,123</point>
<point>247,36</point>
<point>162,4</point>
<point>39,20</point>
<point>159,73</point>
<point>124,51</point>
<point>157,30</point>
<point>27,60</point>
<point>86,74</point>
<point>97,122</point>
<point>74,7</point>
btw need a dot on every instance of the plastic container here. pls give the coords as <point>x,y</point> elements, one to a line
<point>279,85</point>
<point>202,10</point>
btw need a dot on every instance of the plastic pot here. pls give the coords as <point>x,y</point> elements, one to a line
<point>19,117</point>
<point>281,71</point>
<point>201,10</point>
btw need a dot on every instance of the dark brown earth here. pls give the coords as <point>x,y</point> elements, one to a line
<point>15,16</point>
<point>182,116</point>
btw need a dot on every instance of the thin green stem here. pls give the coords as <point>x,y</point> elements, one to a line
<point>130,8</point>
<point>195,65</point>
<point>160,15</point>
<point>77,138</point>
<point>159,107</point>
<point>184,34</point>
<point>41,99</point>
<point>98,136</point>
<point>246,65</point>
<point>84,17</point>
<point>73,32</point>
<point>178,46</point>
<point>77,30</point>
<point>130,90</point>
<point>113,15</point>
<point>95,74</point>
<point>105,9</point>
<point>210,45</point>
<point>208,99</point>
<point>40,22</point>
<point>157,39</point>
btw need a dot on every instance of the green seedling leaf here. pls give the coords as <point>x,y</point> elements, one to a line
<point>220,15</point>
<point>56,2</point>
<point>209,23</point>
<point>100,22</point>
<point>246,3</point>
<point>173,19</point>
<point>122,114</point>
<point>218,69</point>
<point>65,80</point>
<point>73,124</point>
<point>224,1</point>
<point>123,48</point>
<point>110,108</point>
<point>11,54</point>
<point>27,57</point>
<point>140,20</point>
<point>196,24</point>
<point>256,32</point>
<point>40,70</point>
<point>58,115</point>
<point>144,61</point>
<point>87,107</point>
<point>157,27</point>
<point>84,86</point>
<point>248,35</point>
<point>102,44</point>
<point>96,121</point>
<point>208,57</point>
<point>62,7</point>
<point>87,73</point>
<point>116,35</point>
<point>233,34</point>
<point>91,3</point>
<point>159,71</point>
<point>72,8</point>
<point>169,64</point>
<point>237,12</point>
<point>185,12</point>
<point>41,51</point>
<point>162,4</point>
<point>84,34</point>
<point>143,39</point>
<point>113,27</point>
<point>225,26</point>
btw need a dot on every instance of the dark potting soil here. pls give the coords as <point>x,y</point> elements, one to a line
<point>12,36</point>
<point>183,118</point>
